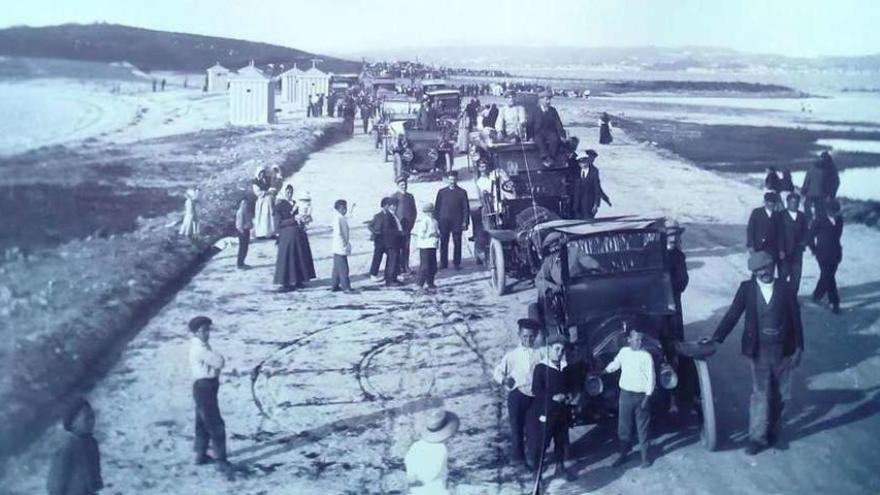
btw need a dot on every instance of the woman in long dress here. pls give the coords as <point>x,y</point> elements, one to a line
<point>264,218</point>
<point>190,226</point>
<point>605,129</point>
<point>294,265</point>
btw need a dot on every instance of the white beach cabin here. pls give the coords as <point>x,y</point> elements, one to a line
<point>291,91</point>
<point>251,97</point>
<point>218,79</point>
<point>312,82</point>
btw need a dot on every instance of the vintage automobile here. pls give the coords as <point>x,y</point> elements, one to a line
<point>429,85</point>
<point>395,112</point>
<point>429,152</point>
<point>383,87</point>
<point>502,222</point>
<point>627,284</point>
<point>447,103</point>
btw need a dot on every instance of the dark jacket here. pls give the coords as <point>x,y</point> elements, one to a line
<point>678,271</point>
<point>746,301</point>
<point>492,118</point>
<point>392,236</point>
<point>406,209</point>
<point>588,194</point>
<point>547,382</point>
<point>76,468</point>
<point>451,208</point>
<point>761,232</point>
<point>793,234</point>
<point>546,122</point>
<point>294,264</point>
<point>821,180</point>
<point>825,239</point>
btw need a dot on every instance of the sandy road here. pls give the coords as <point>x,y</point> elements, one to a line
<point>322,391</point>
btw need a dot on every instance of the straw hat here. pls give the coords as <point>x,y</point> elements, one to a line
<point>439,425</point>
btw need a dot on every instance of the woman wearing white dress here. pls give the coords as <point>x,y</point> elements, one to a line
<point>264,217</point>
<point>190,226</point>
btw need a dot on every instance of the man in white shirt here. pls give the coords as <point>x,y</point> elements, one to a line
<point>341,246</point>
<point>205,365</point>
<point>636,386</point>
<point>511,122</point>
<point>514,371</point>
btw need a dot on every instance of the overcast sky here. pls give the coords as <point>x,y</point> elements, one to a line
<point>788,27</point>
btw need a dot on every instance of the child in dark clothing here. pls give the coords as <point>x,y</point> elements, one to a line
<point>76,468</point>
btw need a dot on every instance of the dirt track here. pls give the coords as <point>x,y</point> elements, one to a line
<point>322,391</point>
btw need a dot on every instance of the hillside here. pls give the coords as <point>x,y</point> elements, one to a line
<point>153,50</point>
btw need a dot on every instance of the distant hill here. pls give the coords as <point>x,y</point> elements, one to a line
<point>154,50</point>
<point>637,57</point>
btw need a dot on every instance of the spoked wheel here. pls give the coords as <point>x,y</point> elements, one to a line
<point>709,431</point>
<point>496,267</point>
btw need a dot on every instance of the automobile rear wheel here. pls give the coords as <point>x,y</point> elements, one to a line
<point>709,431</point>
<point>497,274</point>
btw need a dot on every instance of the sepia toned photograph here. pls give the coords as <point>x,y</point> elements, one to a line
<point>421,247</point>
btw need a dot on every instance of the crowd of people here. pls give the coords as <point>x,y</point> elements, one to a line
<point>538,387</point>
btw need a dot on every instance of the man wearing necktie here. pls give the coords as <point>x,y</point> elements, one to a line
<point>588,193</point>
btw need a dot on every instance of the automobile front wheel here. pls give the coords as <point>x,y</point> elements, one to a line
<point>709,430</point>
<point>497,275</point>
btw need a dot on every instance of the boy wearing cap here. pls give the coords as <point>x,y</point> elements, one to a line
<point>427,237</point>
<point>773,341</point>
<point>636,385</point>
<point>205,365</point>
<point>548,416</point>
<point>514,371</point>
<point>76,467</point>
<point>427,460</point>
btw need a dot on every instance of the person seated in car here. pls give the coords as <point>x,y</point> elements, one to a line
<point>495,183</point>
<point>547,129</point>
<point>549,277</point>
<point>511,123</point>
<point>403,154</point>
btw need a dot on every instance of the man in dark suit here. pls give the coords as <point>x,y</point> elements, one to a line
<point>793,236</point>
<point>588,193</point>
<point>392,239</point>
<point>762,229</point>
<point>678,274</point>
<point>453,215</point>
<point>375,227</point>
<point>547,130</point>
<point>406,212</point>
<point>824,241</point>
<point>773,341</point>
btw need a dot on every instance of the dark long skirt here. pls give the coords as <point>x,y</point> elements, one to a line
<point>294,265</point>
<point>605,134</point>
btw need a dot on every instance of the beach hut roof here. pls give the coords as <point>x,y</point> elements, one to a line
<point>217,66</point>
<point>251,72</point>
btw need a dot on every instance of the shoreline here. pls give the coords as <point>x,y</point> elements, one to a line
<point>95,294</point>
<point>737,151</point>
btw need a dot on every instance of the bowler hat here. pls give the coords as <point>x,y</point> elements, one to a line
<point>557,338</point>
<point>771,196</point>
<point>759,260</point>
<point>528,323</point>
<point>591,153</point>
<point>439,425</point>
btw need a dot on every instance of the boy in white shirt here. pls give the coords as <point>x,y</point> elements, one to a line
<point>205,365</point>
<point>341,246</point>
<point>637,383</point>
